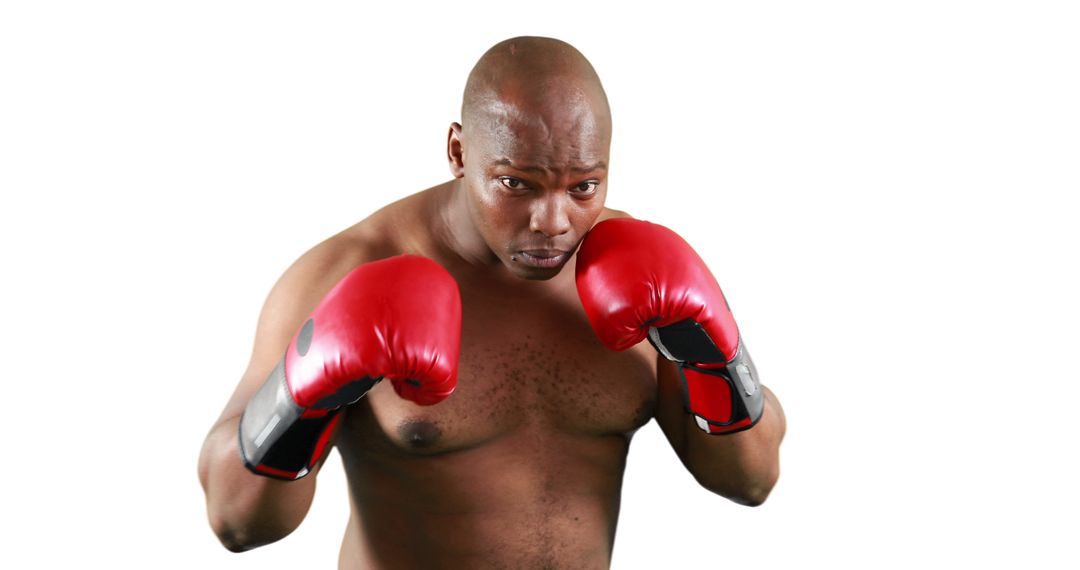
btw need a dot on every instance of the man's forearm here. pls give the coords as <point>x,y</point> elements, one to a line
<point>246,510</point>
<point>741,466</point>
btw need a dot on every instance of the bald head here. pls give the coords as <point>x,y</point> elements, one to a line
<point>531,155</point>
<point>532,75</point>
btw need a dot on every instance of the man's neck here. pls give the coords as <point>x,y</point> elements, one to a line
<point>453,228</point>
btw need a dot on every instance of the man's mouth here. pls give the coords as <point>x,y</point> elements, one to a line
<point>545,258</point>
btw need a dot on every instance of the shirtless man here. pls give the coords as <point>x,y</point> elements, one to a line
<point>522,466</point>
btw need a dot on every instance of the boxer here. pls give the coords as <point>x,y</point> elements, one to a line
<point>526,332</point>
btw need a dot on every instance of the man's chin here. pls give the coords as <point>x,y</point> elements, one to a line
<point>535,273</point>
<point>525,270</point>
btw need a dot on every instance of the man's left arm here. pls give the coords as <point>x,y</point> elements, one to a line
<point>741,466</point>
<point>641,280</point>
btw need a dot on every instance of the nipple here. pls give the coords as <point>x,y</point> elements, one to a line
<point>419,434</point>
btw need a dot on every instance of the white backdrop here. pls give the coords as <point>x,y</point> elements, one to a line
<point>883,192</point>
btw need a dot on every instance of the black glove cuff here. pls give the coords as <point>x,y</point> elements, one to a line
<point>275,440</point>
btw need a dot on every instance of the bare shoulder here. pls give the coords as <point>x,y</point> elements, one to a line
<point>307,280</point>
<point>394,228</point>
<point>385,233</point>
<point>324,264</point>
<point>300,288</point>
<point>611,213</point>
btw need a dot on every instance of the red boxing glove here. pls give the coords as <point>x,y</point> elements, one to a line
<point>641,280</point>
<point>398,318</point>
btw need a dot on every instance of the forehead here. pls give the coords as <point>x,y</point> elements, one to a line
<point>564,130</point>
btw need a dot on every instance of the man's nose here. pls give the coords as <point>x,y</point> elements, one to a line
<point>550,216</point>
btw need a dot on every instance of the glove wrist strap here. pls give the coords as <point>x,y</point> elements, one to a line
<point>723,398</point>
<point>278,438</point>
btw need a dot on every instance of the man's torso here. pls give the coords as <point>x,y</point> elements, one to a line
<point>522,466</point>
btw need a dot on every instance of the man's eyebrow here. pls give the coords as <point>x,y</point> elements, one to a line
<point>601,165</point>
<point>523,168</point>
<point>598,166</point>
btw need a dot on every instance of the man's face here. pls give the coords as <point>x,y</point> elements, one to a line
<point>535,180</point>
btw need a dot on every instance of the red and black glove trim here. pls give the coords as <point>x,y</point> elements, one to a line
<point>724,396</point>
<point>283,440</point>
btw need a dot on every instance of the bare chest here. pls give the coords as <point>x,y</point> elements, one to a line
<point>527,363</point>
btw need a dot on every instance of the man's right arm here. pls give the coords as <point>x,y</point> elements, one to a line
<point>247,510</point>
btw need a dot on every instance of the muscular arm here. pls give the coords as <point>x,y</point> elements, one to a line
<point>742,466</point>
<point>246,510</point>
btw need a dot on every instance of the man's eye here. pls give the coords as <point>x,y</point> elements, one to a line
<point>586,187</point>
<point>512,183</point>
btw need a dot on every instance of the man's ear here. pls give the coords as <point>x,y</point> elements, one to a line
<point>454,152</point>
